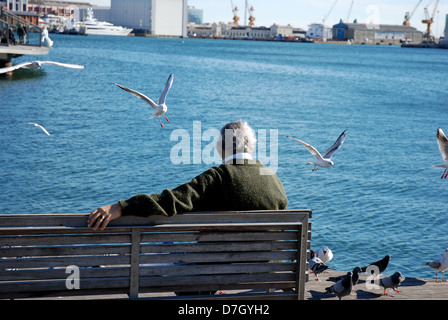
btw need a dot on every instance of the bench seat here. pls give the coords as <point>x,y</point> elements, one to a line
<point>253,252</point>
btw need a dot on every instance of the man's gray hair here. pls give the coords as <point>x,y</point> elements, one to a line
<point>236,137</point>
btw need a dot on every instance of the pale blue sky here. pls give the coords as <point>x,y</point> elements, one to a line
<point>300,13</point>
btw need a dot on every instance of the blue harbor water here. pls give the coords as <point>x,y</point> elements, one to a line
<point>382,197</point>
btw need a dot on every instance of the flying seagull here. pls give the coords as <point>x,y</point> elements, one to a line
<point>442,141</point>
<point>440,265</point>
<point>39,126</point>
<point>35,65</point>
<point>324,161</point>
<point>159,109</point>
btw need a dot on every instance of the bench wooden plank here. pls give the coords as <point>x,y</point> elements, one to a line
<point>79,219</point>
<point>146,270</point>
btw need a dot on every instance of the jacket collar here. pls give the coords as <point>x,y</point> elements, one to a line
<point>242,155</point>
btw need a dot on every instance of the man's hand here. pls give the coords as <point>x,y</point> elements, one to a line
<point>100,218</point>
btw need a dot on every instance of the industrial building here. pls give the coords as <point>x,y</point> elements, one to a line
<point>445,39</point>
<point>158,17</point>
<point>369,33</point>
<point>319,31</point>
<point>231,31</point>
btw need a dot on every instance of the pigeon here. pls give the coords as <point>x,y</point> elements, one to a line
<point>160,108</point>
<point>440,265</point>
<point>316,265</point>
<point>324,160</point>
<point>391,282</point>
<point>343,287</point>
<point>35,65</point>
<point>325,254</point>
<point>378,266</point>
<point>355,276</point>
<point>39,126</point>
<point>442,141</point>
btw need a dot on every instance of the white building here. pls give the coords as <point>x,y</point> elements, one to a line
<point>230,31</point>
<point>15,5</point>
<point>319,31</point>
<point>160,17</point>
<point>445,40</point>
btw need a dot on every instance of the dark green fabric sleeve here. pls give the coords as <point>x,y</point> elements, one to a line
<point>200,193</point>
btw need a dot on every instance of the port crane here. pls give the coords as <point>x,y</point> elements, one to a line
<point>349,12</point>
<point>331,9</point>
<point>235,16</point>
<point>408,16</point>
<point>429,20</point>
<point>250,10</point>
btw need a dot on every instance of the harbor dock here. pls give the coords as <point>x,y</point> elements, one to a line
<point>13,51</point>
<point>29,43</point>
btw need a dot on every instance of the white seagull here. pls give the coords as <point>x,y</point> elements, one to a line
<point>39,126</point>
<point>160,108</point>
<point>325,254</point>
<point>324,161</point>
<point>442,141</point>
<point>440,265</point>
<point>35,65</point>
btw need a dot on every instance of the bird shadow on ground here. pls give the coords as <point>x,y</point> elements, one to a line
<point>318,295</point>
<point>362,294</point>
<point>412,282</point>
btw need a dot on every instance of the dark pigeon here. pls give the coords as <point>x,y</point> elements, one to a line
<point>355,276</point>
<point>378,266</point>
<point>391,282</point>
<point>343,287</point>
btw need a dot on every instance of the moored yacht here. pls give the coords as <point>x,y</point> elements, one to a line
<point>96,27</point>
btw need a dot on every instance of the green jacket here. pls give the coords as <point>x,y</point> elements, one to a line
<point>229,187</point>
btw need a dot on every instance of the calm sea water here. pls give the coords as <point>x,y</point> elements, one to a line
<point>382,197</point>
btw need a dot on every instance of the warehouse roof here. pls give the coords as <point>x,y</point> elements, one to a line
<point>382,27</point>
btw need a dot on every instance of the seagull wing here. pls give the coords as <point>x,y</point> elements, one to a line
<point>38,125</point>
<point>45,130</point>
<point>139,95</point>
<point>310,148</point>
<point>167,88</point>
<point>434,264</point>
<point>18,66</point>
<point>66,65</point>
<point>338,143</point>
<point>442,141</point>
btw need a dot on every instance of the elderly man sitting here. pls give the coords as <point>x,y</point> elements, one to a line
<point>235,185</point>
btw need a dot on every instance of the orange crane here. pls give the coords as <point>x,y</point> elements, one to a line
<point>429,20</point>
<point>408,16</point>
<point>251,16</point>
<point>235,16</point>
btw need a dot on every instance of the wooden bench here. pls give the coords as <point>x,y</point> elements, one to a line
<point>260,254</point>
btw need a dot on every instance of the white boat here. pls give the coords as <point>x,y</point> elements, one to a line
<point>75,27</point>
<point>54,22</point>
<point>93,26</point>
